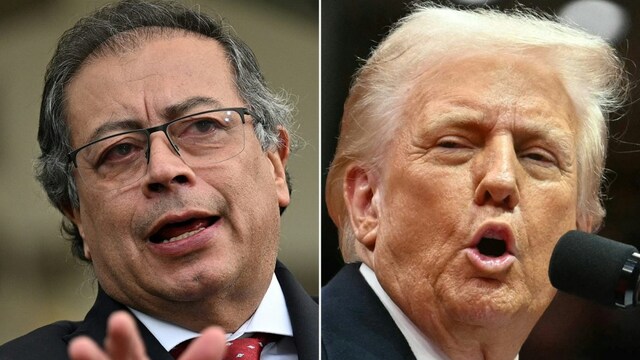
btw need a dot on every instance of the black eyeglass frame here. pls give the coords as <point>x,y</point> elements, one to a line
<point>242,111</point>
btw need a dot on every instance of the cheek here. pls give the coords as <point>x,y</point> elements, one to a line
<point>421,212</point>
<point>426,200</point>
<point>246,180</point>
<point>248,189</point>
<point>105,217</point>
<point>550,212</point>
<point>550,215</point>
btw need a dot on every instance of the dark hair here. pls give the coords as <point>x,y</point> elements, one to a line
<point>119,26</point>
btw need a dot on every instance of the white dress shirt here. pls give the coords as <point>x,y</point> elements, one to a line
<point>271,316</point>
<point>421,346</point>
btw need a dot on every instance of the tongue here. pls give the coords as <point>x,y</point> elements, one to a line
<point>173,230</point>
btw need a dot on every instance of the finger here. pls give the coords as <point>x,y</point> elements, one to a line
<point>83,348</point>
<point>123,339</point>
<point>211,345</point>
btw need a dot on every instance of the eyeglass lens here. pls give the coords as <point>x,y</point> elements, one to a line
<point>200,140</point>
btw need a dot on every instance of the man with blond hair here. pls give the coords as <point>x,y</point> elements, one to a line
<point>471,140</point>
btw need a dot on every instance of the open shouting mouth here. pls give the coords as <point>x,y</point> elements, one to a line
<point>180,230</point>
<point>492,249</point>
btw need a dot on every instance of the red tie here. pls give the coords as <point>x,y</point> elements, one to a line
<point>180,348</point>
<point>248,348</point>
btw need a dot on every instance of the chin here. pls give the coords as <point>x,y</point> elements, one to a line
<point>196,282</point>
<point>490,305</point>
<point>487,315</point>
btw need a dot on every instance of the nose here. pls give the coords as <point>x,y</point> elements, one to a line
<point>496,175</point>
<point>166,170</point>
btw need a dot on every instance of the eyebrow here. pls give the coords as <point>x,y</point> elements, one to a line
<point>465,118</point>
<point>169,113</point>
<point>104,129</point>
<point>461,117</point>
<point>177,110</point>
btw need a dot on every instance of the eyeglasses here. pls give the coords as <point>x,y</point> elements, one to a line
<point>200,139</point>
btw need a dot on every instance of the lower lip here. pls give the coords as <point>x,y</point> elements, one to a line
<point>489,264</point>
<point>187,245</point>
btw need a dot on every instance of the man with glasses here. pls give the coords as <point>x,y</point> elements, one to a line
<point>167,154</point>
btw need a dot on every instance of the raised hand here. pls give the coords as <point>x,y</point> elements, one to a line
<point>123,342</point>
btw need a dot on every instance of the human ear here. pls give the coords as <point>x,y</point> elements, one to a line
<point>278,159</point>
<point>361,201</point>
<point>73,214</point>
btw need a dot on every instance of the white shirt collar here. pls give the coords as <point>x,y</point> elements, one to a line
<point>271,316</point>
<point>421,346</point>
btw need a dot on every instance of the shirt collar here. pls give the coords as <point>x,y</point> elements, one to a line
<point>271,316</point>
<point>421,346</point>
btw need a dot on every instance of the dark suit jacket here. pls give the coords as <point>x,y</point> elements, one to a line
<point>355,324</point>
<point>50,342</point>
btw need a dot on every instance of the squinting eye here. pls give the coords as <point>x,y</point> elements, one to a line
<point>448,144</point>
<point>540,157</point>
<point>537,157</point>
<point>452,143</point>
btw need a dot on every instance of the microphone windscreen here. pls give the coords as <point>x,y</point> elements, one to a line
<point>588,266</point>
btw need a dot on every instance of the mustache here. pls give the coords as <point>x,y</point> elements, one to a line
<point>213,205</point>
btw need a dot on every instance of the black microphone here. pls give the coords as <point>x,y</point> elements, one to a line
<point>596,268</point>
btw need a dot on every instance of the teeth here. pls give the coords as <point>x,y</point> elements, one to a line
<point>493,236</point>
<point>183,236</point>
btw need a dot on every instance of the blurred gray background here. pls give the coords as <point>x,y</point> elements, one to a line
<point>40,282</point>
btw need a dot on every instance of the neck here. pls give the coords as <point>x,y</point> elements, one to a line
<point>472,329</point>
<point>227,308</point>
<point>461,341</point>
<point>198,315</point>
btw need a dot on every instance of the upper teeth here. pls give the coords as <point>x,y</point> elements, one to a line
<point>183,236</point>
<point>493,235</point>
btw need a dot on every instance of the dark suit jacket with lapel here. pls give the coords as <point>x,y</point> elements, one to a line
<point>50,342</point>
<point>355,324</point>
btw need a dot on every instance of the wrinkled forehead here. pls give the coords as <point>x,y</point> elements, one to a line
<point>494,83</point>
<point>148,83</point>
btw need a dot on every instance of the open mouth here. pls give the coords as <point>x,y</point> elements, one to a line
<point>182,230</point>
<point>492,247</point>
<point>492,250</point>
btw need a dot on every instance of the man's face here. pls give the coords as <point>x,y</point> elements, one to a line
<point>228,213</point>
<point>478,184</point>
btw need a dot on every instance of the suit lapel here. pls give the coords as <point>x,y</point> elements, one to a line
<point>95,326</point>
<point>303,312</point>
<point>355,324</point>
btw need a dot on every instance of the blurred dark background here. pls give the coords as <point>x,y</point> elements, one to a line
<point>571,328</point>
